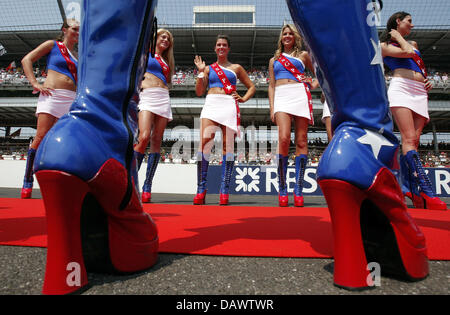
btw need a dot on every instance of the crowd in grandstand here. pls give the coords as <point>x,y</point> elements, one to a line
<point>17,77</point>
<point>428,158</point>
<point>260,157</point>
<point>439,79</point>
<point>186,76</point>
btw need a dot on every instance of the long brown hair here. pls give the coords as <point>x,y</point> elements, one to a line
<point>392,25</point>
<point>297,44</point>
<point>168,53</point>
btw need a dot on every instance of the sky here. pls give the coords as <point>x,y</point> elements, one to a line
<point>44,14</point>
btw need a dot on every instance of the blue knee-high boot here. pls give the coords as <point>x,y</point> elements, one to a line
<point>202,176</point>
<point>27,187</point>
<point>424,196</point>
<point>152,164</point>
<point>409,185</point>
<point>85,164</point>
<point>300,167</point>
<point>402,174</point>
<point>283,199</point>
<point>227,171</point>
<point>369,217</point>
<point>405,182</point>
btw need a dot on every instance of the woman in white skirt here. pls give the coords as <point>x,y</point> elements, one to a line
<point>290,99</point>
<point>326,117</point>
<point>57,93</point>
<point>221,111</point>
<point>154,107</point>
<point>408,100</point>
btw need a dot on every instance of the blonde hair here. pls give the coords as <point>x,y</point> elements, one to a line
<point>297,42</point>
<point>168,53</point>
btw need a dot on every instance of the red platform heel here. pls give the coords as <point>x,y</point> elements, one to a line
<point>373,226</point>
<point>408,195</point>
<point>199,198</point>
<point>224,199</point>
<point>91,234</point>
<point>146,197</point>
<point>283,201</point>
<point>432,203</point>
<point>25,193</point>
<point>298,201</point>
<point>64,248</point>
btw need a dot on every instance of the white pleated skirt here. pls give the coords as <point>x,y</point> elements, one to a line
<point>57,104</point>
<point>221,108</point>
<point>157,101</point>
<point>292,99</point>
<point>410,94</point>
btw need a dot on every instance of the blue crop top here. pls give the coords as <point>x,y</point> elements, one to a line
<point>404,63</point>
<point>280,72</point>
<point>214,80</point>
<point>155,68</point>
<point>56,62</point>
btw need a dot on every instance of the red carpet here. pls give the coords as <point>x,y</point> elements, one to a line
<point>227,231</point>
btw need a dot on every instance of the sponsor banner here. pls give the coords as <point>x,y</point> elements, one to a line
<point>262,180</point>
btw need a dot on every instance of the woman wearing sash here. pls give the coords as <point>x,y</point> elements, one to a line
<point>154,107</point>
<point>57,93</point>
<point>290,99</point>
<point>221,110</point>
<point>408,100</point>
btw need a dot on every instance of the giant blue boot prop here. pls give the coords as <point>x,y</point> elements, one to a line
<point>369,217</point>
<point>85,165</point>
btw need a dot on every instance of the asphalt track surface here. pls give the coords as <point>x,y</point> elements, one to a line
<point>184,277</point>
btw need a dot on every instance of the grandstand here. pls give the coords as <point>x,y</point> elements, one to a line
<point>253,26</point>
